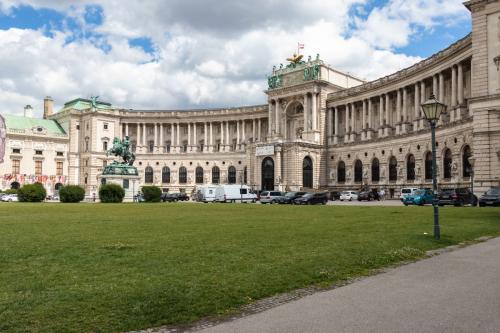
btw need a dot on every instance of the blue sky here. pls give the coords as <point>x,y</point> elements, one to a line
<point>192,53</point>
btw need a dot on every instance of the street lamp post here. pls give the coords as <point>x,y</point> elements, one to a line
<point>432,110</point>
<point>471,160</point>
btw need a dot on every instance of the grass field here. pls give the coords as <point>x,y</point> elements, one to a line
<point>111,268</point>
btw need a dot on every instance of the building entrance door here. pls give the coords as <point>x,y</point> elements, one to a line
<point>268,174</point>
<point>307,172</point>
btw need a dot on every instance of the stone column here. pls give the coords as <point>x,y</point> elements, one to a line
<point>347,123</point>
<point>369,115</point>
<point>314,112</point>
<point>259,123</point>
<point>189,136</point>
<point>195,140</point>
<point>387,116</point>
<point>330,123</point>
<point>363,120</point>
<point>441,87</point>
<point>453,87</point>
<point>222,146</point>
<point>253,130</point>
<point>243,134</point>
<point>417,107</point>
<point>398,112</point>
<point>205,137</point>
<point>270,119</point>
<point>144,127</point>
<point>435,85</point>
<point>172,138</point>
<point>404,125</point>
<point>228,143</point>
<point>422,100</point>
<point>162,140</point>
<point>277,119</point>
<point>460,82</point>
<point>211,148</point>
<point>306,113</point>
<point>126,129</point>
<point>178,132</point>
<point>238,132</point>
<point>381,124</point>
<point>156,137</point>
<point>336,124</point>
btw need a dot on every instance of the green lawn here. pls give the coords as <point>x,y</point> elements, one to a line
<point>111,268</point>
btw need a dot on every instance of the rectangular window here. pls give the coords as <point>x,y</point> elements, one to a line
<point>59,168</point>
<point>16,166</point>
<point>60,153</point>
<point>105,145</point>
<point>38,152</point>
<point>105,126</point>
<point>151,146</point>
<point>16,151</point>
<point>38,168</point>
<point>77,127</point>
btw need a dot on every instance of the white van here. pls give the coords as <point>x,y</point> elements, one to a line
<point>206,193</point>
<point>233,193</point>
<point>407,191</point>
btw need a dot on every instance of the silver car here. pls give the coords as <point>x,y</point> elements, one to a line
<point>271,197</point>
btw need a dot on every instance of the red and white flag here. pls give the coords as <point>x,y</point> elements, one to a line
<point>300,46</point>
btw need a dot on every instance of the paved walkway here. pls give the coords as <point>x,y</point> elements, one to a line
<point>457,291</point>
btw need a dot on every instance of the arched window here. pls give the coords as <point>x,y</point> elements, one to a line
<point>231,175</point>
<point>393,169</point>
<point>410,167</point>
<point>466,167</point>
<point>148,175</point>
<point>341,172</point>
<point>267,174</point>
<point>428,165</point>
<point>358,171</point>
<point>182,175</point>
<point>199,175</point>
<point>245,175</point>
<point>375,170</point>
<point>58,186</point>
<point>447,160</point>
<point>165,175</point>
<point>307,172</point>
<point>215,175</point>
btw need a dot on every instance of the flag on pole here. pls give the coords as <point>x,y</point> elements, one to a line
<point>300,46</point>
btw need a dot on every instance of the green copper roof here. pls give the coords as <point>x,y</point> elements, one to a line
<point>25,123</point>
<point>83,104</point>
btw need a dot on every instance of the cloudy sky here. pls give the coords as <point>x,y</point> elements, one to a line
<point>167,54</point>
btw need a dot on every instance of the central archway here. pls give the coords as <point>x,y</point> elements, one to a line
<point>268,174</point>
<point>307,172</point>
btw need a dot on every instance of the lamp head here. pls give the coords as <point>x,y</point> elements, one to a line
<point>432,109</point>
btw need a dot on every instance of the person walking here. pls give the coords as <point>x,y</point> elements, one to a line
<point>382,194</point>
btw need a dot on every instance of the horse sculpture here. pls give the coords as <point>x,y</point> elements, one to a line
<point>122,149</point>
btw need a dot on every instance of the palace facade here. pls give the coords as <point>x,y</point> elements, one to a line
<point>320,129</point>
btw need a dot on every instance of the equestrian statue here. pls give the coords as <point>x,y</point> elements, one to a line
<point>121,148</point>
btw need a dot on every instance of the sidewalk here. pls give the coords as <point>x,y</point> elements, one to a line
<point>457,291</point>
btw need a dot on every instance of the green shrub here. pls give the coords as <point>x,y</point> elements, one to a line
<point>111,193</point>
<point>151,193</point>
<point>32,193</point>
<point>71,193</point>
<point>10,191</point>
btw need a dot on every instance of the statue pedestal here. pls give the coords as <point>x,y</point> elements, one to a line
<point>129,183</point>
<point>124,175</point>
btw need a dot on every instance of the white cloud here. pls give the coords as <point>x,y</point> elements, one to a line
<point>203,57</point>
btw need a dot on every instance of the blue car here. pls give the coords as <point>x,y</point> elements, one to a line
<point>419,197</point>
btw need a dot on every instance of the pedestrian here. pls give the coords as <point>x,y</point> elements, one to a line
<point>93,197</point>
<point>382,194</point>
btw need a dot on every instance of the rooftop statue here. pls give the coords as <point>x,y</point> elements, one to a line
<point>93,100</point>
<point>295,59</point>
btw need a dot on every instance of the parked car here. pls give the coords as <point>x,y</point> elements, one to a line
<point>173,197</point>
<point>10,198</point>
<point>367,195</point>
<point>334,195</point>
<point>419,197</point>
<point>348,195</point>
<point>457,197</point>
<point>270,197</point>
<point>288,197</point>
<point>233,193</point>
<point>407,191</point>
<point>490,198</point>
<point>312,198</point>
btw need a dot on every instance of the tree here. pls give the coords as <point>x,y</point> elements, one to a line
<point>111,193</point>
<point>32,193</point>
<point>71,193</point>
<point>151,193</point>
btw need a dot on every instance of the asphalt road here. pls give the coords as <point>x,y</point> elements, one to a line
<point>457,291</point>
